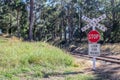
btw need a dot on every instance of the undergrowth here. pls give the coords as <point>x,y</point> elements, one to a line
<point>34,59</point>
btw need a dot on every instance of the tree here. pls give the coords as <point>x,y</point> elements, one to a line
<point>31,20</point>
<point>11,12</point>
<point>55,19</point>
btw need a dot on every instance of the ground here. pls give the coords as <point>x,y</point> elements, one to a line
<point>104,70</point>
<point>15,52</point>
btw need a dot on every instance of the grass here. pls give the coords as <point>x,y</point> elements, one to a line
<point>28,60</point>
<point>80,77</point>
<point>113,48</point>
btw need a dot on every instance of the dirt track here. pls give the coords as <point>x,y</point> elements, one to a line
<point>104,70</point>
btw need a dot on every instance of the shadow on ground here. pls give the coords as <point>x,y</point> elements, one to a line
<point>107,72</point>
<point>62,74</point>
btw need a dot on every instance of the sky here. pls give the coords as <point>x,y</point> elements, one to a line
<point>24,0</point>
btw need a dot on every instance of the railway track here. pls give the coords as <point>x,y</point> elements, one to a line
<point>102,58</point>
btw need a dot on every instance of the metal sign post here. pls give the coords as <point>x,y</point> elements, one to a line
<point>94,48</point>
<point>94,63</point>
<point>94,57</point>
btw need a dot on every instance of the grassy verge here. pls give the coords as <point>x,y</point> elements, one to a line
<point>25,60</point>
<point>80,77</point>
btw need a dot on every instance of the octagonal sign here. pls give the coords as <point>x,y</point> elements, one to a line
<point>93,36</point>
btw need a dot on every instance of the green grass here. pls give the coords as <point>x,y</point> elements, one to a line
<point>26,59</point>
<point>29,60</point>
<point>80,77</point>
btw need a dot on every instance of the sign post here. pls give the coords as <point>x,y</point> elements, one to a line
<point>94,36</point>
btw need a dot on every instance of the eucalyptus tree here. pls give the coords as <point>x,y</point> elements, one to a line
<point>7,16</point>
<point>113,14</point>
<point>18,6</point>
<point>51,19</point>
<point>95,8</point>
<point>11,13</point>
<point>79,10</point>
<point>39,22</point>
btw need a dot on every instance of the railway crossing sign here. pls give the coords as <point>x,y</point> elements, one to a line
<point>94,23</point>
<point>94,49</point>
<point>93,36</point>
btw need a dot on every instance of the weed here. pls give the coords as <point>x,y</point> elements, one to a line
<point>36,58</point>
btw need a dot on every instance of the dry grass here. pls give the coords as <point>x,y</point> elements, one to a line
<point>113,48</point>
<point>15,39</point>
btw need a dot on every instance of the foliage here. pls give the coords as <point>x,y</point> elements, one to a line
<point>13,17</point>
<point>59,18</point>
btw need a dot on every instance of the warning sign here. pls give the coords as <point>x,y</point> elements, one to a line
<point>94,49</point>
<point>93,36</point>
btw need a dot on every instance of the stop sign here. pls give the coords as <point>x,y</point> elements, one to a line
<point>93,36</point>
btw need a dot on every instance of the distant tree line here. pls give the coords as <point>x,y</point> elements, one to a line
<point>51,20</point>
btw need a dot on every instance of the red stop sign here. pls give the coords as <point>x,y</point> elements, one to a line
<point>93,36</point>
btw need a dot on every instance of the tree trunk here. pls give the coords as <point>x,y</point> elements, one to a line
<point>31,20</point>
<point>18,27</point>
<point>80,24</point>
<point>10,30</point>
<point>113,20</point>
